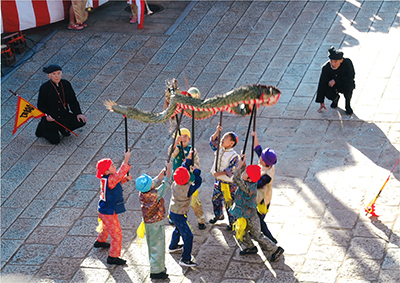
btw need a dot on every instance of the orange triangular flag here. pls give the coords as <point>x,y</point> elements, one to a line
<point>25,111</point>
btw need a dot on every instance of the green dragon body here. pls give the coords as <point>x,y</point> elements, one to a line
<point>238,101</point>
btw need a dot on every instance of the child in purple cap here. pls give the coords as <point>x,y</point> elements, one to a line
<point>264,185</point>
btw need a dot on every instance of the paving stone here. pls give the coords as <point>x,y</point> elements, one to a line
<point>8,248</point>
<point>76,198</point>
<point>59,268</point>
<point>21,228</point>
<point>18,273</point>
<point>244,270</point>
<point>61,217</point>
<point>392,259</point>
<point>357,268</point>
<point>320,271</point>
<point>32,254</point>
<point>91,275</point>
<point>76,246</point>
<point>212,258</point>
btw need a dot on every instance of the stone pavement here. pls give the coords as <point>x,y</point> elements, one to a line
<point>329,164</point>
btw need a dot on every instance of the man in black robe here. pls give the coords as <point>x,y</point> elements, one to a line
<point>337,76</point>
<point>57,100</point>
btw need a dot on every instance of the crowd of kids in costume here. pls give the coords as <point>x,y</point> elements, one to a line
<point>243,192</point>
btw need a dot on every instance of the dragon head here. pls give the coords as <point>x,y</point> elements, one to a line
<point>270,94</point>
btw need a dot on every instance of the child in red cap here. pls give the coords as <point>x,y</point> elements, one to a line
<point>111,204</point>
<point>181,149</point>
<point>182,191</point>
<point>245,206</point>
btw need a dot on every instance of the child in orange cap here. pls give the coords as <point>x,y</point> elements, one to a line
<point>111,204</point>
<point>245,207</point>
<point>182,191</point>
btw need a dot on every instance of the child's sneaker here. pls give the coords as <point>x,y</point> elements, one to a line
<point>249,251</point>
<point>161,275</point>
<point>178,248</point>
<point>103,245</point>
<point>215,219</point>
<point>115,260</point>
<point>275,256</point>
<point>187,262</point>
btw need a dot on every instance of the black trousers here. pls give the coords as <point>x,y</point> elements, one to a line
<point>332,93</point>
<point>50,130</point>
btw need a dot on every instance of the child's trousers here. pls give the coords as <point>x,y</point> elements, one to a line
<point>182,229</point>
<point>197,206</point>
<point>254,228</point>
<point>219,202</point>
<point>112,227</point>
<point>155,237</point>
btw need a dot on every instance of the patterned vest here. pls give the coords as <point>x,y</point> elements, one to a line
<point>111,200</point>
<point>224,158</point>
<point>153,210</point>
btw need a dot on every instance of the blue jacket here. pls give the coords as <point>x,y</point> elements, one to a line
<point>111,200</point>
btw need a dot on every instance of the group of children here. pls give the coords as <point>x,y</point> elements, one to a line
<point>244,192</point>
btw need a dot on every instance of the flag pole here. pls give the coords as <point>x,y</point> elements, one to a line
<point>43,113</point>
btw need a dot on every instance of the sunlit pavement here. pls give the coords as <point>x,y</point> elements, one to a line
<point>329,164</point>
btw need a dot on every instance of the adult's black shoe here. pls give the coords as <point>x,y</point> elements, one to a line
<point>275,256</point>
<point>349,111</point>
<point>335,102</point>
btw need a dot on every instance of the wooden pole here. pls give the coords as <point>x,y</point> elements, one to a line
<point>219,141</point>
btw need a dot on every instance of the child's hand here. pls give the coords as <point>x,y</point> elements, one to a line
<point>168,170</point>
<point>128,177</point>
<point>242,161</point>
<point>254,134</point>
<point>190,156</point>
<point>179,139</point>
<point>219,128</point>
<point>127,154</point>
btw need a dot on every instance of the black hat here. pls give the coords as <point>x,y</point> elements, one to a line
<point>334,54</point>
<point>52,68</point>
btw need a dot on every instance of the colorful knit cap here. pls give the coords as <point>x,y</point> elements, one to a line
<point>144,183</point>
<point>254,172</point>
<point>268,156</point>
<point>185,131</point>
<point>181,175</point>
<point>234,137</point>
<point>102,166</point>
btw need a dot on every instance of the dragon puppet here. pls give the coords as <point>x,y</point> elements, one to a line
<point>239,101</point>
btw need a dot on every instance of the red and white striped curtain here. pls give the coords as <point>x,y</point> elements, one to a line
<point>25,14</point>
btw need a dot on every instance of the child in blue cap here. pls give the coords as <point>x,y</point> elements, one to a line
<point>151,193</point>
